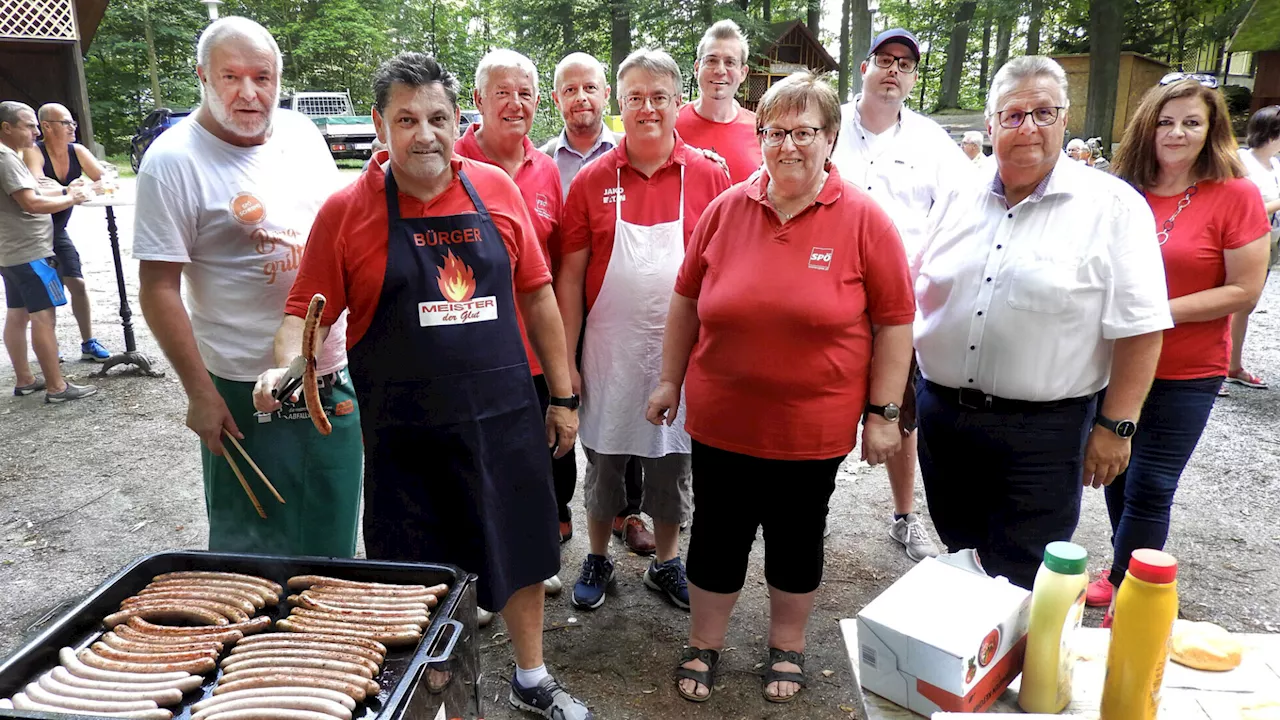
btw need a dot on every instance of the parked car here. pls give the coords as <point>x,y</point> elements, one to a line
<point>158,121</point>
<point>347,134</point>
<point>468,118</point>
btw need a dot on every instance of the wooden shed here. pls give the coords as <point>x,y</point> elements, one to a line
<point>790,47</point>
<point>1138,73</point>
<point>1259,33</point>
<point>42,47</point>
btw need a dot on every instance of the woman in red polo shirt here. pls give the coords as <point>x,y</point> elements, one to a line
<point>1180,152</point>
<point>791,319</point>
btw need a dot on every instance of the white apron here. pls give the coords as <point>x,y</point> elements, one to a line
<point>622,348</point>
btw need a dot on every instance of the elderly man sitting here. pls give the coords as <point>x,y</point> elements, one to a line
<point>1035,291</point>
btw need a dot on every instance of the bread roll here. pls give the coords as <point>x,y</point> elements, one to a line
<point>1204,646</point>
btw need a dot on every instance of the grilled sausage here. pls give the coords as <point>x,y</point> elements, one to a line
<point>257,597</point>
<point>162,640</point>
<point>22,702</point>
<point>312,647</point>
<point>276,692</point>
<point>302,582</point>
<point>326,707</point>
<point>274,587</point>
<point>180,612</point>
<point>388,637</point>
<point>103,650</point>
<point>358,618</point>
<point>269,714</point>
<point>351,690</point>
<point>171,696</point>
<point>339,656</point>
<point>310,349</point>
<point>185,684</point>
<point>226,610</point>
<point>369,686</point>
<point>241,602</point>
<point>119,642</point>
<point>320,601</point>
<point>352,625</point>
<point>292,661</point>
<point>267,595</point>
<point>67,657</point>
<point>199,666</point>
<point>251,642</point>
<point>40,695</point>
<point>255,625</point>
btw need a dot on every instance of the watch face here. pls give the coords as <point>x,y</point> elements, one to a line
<point>891,412</point>
<point>1126,428</point>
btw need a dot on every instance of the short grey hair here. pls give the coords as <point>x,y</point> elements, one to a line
<point>724,30</point>
<point>503,59</point>
<point>11,109</point>
<point>971,137</point>
<point>235,27</point>
<point>1019,70</point>
<point>1077,144</point>
<point>654,62</point>
<point>578,59</point>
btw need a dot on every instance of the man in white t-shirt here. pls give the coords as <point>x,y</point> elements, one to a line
<point>226,200</point>
<point>903,160</point>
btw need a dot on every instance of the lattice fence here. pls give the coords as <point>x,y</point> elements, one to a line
<point>37,20</point>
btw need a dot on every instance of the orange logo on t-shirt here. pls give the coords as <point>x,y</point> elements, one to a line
<point>247,209</point>
<point>346,407</point>
<point>457,282</point>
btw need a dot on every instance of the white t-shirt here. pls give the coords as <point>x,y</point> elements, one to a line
<point>1267,178</point>
<point>238,218</point>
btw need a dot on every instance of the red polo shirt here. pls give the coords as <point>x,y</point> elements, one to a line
<point>783,358</point>
<point>735,141</point>
<point>346,256</point>
<point>539,181</point>
<point>590,214</point>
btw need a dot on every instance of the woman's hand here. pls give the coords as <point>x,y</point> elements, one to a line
<point>663,403</point>
<point>881,439</point>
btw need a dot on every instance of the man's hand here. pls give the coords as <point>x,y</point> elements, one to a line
<point>207,415</point>
<point>1105,456</point>
<point>81,194</point>
<point>263,400</point>
<point>881,439</point>
<point>715,157</point>
<point>664,402</point>
<point>562,429</point>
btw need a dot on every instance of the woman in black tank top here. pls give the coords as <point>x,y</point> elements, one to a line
<point>74,171</point>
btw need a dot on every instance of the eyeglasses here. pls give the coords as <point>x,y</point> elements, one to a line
<point>800,136</point>
<point>70,124</point>
<point>1042,116</point>
<point>657,102</point>
<point>884,60</point>
<point>729,63</point>
<point>1204,79</point>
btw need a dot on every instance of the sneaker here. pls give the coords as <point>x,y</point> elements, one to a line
<point>548,699</point>
<point>597,573</point>
<point>73,392</point>
<point>566,532</point>
<point>826,528</point>
<point>911,533</point>
<point>1247,379</point>
<point>1099,592</point>
<point>552,585</point>
<point>92,351</point>
<point>669,578</point>
<point>638,537</point>
<point>1223,391</point>
<point>483,617</point>
<point>24,390</point>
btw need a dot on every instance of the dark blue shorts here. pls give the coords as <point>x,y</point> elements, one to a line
<point>33,286</point>
<point>68,256</point>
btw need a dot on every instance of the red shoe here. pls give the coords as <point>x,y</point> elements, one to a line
<point>1099,593</point>
<point>1247,379</point>
<point>566,532</point>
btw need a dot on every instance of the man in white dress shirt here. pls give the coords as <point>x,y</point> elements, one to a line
<point>903,160</point>
<point>1035,291</point>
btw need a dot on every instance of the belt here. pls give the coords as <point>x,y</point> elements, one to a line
<point>974,399</point>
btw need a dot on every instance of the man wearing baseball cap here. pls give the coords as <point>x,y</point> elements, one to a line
<point>902,159</point>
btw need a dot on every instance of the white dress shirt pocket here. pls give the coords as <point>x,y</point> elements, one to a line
<point>1042,286</point>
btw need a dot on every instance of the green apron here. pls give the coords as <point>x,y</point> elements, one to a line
<point>319,477</point>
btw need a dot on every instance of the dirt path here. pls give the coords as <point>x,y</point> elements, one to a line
<point>87,487</point>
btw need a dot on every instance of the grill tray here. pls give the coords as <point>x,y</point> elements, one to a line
<point>447,643</point>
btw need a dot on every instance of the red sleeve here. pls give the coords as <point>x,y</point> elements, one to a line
<point>575,222</point>
<point>694,267</point>
<point>1245,216</point>
<point>891,299</point>
<point>322,269</point>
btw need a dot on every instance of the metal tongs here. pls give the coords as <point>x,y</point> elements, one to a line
<point>289,383</point>
<point>302,369</point>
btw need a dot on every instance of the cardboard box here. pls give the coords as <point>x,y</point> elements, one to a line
<point>943,639</point>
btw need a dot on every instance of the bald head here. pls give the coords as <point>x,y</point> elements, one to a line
<point>233,29</point>
<point>52,112</point>
<point>581,61</point>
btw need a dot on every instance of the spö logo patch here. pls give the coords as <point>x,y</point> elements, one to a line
<point>820,258</point>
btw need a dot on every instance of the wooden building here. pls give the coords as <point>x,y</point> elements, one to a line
<point>1138,73</point>
<point>42,47</point>
<point>1259,33</point>
<point>790,47</point>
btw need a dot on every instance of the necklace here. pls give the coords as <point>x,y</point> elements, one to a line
<point>1163,235</point>
<point>786,217</point>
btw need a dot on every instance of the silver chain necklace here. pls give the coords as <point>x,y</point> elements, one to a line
<point>1163,235</point>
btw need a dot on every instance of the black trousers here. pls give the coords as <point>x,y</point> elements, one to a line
<point>564,471</point>
<point>1004,479</point>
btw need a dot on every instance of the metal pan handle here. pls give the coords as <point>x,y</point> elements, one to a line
<point>448,648</point>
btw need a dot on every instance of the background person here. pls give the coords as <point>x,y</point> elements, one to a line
<point>715,121</point>
<point>770,426</point>
<point>1077,150</point>
<point>971,145</point>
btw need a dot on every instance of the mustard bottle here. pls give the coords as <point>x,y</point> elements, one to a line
<point>1146,606</point>
<point>1057,606</point>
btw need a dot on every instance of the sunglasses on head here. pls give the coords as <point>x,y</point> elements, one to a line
<point>1204,79</point>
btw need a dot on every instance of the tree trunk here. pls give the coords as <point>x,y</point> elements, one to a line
<point>567,38</point>
<point>814,20</point>
<point>742,5</point>
<point>705,8</point>
<point>843,86</point>
<point>985,63</point>
<point>1106,29</point>
<point>153,65</point>
<point>620,41</point>
<point>949,97</point>
<point>1033,26</point>
<point>1004,36</point>
<point>923,69</point>
<point>859,41</point>
<point>767,10</point>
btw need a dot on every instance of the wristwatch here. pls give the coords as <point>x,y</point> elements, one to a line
<point>889,412</point>
<point>1122,428</point>
<point>572,402</point>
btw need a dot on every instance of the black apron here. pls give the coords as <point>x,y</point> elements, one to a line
<point>456,463</point>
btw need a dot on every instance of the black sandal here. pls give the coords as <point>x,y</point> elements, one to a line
<point>705,678</point>
<point>772,676</point>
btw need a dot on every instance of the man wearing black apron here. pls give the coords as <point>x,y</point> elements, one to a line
<point>430,255</point>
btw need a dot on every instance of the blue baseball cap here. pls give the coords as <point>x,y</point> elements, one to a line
<point>896,35</point>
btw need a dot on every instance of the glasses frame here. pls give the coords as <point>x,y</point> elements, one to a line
<point>1057,113</point>
<point>646,100</point>
<point>64,123</point>
<point>1205,79</point>
<point>875,59</point>
<point>788,134</point>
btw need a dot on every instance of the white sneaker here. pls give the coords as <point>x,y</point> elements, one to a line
<point>826,528</point>
<point>911,533</point>
<point>552,585</point>
<point>483,617</point>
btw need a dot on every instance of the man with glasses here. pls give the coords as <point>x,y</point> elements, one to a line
<point>903,160</point>
<point>1035,290</point>
<point>64,162</point>
<point>627,219</point>
<point>715,121</point>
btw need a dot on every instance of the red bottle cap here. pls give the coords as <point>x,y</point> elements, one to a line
<point>1153,566</point>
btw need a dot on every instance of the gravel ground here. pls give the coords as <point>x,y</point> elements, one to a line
<point>87,487</point>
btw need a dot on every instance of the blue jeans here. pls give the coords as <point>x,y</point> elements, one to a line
<point>1005,481</point>
<point>1173,418</point>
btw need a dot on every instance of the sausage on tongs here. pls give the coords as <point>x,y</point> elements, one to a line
<point>310,388</point>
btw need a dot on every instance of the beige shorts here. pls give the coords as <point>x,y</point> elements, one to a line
<point>667,487</point>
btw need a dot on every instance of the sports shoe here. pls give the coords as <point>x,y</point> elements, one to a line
<point>548,699</point>
<point>73,392</point>
<point>552,585</point>
<point>1247,379</point>
<point>669,579</point>
<point>826,528</point>
<point>911,533</point>
<point>483,617</point>
<point>635,534</point>
<point>23,390</point>
<point>93,351</point>
<point>566,532</point>
<point>1099,592</point>
<point>597,573</point>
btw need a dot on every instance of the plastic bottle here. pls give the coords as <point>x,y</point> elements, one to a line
<point>1146,606</point>
<point>1057,606</point>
